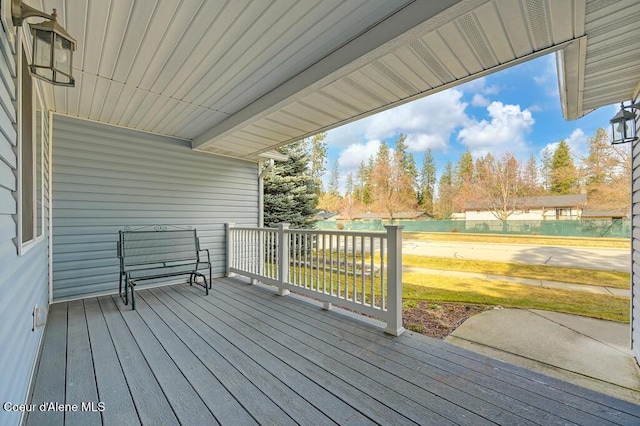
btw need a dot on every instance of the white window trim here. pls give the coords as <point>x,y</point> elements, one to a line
<point>24,247</point>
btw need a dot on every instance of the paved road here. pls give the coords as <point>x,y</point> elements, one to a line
<point>580,257</point>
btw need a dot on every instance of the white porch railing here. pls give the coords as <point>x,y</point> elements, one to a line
<point>361,271</point>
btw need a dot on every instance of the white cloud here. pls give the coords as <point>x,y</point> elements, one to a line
<point>480,101</point>
<point>427,122</point>
<point>479,85</point>
<point>577,142</point>
<point>356,153</point>
<point>505,131</point>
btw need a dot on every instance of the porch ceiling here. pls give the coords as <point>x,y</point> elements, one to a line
<point>605,67</point>
<point>241,77</point>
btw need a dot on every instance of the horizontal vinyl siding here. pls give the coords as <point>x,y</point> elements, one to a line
<point>635,246</point>
<point>106,178</point>
<point>23,279</point>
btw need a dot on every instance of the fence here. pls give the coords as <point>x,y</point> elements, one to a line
<point>611,228</point>
<point>361,271</point>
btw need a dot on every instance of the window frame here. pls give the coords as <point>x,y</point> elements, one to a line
<point>37,219</point>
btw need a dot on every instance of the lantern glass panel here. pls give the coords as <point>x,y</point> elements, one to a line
<point>62,54</point>
<point>42,48</point>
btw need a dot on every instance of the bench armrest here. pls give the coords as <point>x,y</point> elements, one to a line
<point>208,255</point>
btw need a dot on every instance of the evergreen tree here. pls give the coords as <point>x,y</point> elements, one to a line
<point>331,200</point>
<point>446,193</point>
<point>348,186</point>
<point>391,184</point>
<point>334,180</point>
<point>464,170</point>
<point>427,187</point>
<point>362,185</point>
<point>407,164</point>
<point>317,147</point>
<point>563,172</point>
<point>288,190</point>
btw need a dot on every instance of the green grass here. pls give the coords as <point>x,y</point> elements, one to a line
<point>480,292</point>
<point>519,239</point>
<point>602,278</point>
<point>436,288</point>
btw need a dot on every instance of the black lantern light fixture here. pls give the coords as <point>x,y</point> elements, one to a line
<point>623,124</point>
<point>52,58</point>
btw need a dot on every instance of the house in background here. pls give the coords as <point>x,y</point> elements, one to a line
<point>547,207</point>
<point>592,214</point>
<point>175,104</point>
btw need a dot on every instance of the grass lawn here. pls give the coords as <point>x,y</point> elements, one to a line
<point>602,278</point>
<point>519,239</point>
<point>436,288</point>
<point>475,291</point>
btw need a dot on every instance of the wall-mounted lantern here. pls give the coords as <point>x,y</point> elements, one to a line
<point>623,124</point>
<point>53,47</point>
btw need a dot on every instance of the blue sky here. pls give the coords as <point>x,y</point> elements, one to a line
<point>516,110</point>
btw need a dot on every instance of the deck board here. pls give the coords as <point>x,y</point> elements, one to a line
<point>443,362</point>
<point>112,384</point>
<point>244,355</point>
<point>151,403</point>
<point>312,383</point>
<point>316,354</point>
<point>81,384</point>
<point>406,375</point>
<point>218,399</point>
<point>50,379</point>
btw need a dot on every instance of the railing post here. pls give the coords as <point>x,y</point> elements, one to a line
<point>230,249</point>
<point>394,280</point>
<point>283,258</point>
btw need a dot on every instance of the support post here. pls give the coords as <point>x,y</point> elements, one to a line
<point>230,249</point>
<point>394,280</point>
<point>283,258</point>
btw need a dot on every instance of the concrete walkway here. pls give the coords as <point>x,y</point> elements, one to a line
<point>524,281</point>
<point>585,351</point>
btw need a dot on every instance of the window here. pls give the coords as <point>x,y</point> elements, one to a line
<point>31,116</point>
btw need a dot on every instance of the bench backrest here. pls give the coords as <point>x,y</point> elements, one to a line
<point>149,247</point>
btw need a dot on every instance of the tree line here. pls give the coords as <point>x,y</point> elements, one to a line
<point>391,182</point>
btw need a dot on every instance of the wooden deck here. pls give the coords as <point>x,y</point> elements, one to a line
<point>246,356</point>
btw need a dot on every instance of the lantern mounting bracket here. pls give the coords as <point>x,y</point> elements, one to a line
<point>21,11</point>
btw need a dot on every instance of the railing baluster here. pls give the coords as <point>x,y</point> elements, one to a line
<point>372,274</point>
<point>346,268</point>
<point>330,264</point>
<point>362,272</point>
<point>383,302</point>
<point>308,247</point>
<point>353,268</point>
<point>323,264</point>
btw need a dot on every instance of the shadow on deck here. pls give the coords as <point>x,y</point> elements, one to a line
<point>244,355</point>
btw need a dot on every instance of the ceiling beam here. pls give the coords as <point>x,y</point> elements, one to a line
<point>407,24</point>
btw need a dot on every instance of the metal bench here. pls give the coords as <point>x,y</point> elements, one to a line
<point>160,253</point>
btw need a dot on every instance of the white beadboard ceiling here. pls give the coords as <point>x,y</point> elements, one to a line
<point>605,67</point>
<point>240,77</point>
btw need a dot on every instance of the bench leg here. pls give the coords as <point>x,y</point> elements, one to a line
<point>133,296</point>
<point>204,280</point>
